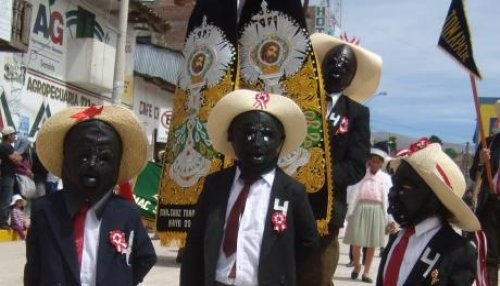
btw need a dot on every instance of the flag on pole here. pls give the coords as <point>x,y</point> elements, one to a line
<point>455,37</point>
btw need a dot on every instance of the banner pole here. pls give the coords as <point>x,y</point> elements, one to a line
<point>482,136</point>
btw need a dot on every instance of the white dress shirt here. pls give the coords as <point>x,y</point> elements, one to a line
<point>424,231</point>
<point>250,232</point>
<point>88,270</point>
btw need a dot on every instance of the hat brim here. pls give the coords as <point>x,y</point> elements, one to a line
<point>463,217</point>
<point>367,77</point>
<point>50,139</point>
<point>380,153</point>
<point>239,101</point>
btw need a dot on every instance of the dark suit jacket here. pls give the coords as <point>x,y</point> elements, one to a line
<point>456,264</point>
<point>280,252</point>
<point>350,151</point>
<point>50,245</point>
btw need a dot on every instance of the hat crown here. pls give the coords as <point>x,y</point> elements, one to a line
<point>242,100</point>
<point>8,130</point>
<point>433,160</point>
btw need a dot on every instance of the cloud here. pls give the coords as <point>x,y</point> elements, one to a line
<point>427,90</point>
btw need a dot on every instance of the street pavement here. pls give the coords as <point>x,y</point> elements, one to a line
<point>164,273</point>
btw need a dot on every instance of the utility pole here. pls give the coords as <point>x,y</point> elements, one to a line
<point>119,74</point>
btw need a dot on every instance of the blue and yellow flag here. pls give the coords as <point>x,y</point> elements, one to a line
<point>455,37</point>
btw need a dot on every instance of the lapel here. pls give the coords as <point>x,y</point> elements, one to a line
<point>432,256</point>
<point>280,192</point>
<point>105,252</point>
<point>214,231</point>
<point>336,114</point>
<point>383,260</point>
<point>61,226</point>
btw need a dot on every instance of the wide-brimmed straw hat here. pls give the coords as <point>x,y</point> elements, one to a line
<point>243,100</point>
<point>367,77</point>
<point>50,140</point>
<point>445,179</point>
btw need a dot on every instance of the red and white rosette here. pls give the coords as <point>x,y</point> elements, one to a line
<point>117,239</point>
<point>344,125</point>
<point>279,221</point>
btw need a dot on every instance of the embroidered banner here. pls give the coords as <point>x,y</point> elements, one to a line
<point>275,54</point>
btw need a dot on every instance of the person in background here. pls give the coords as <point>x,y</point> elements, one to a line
<point>425,200</point>
<point>17,220</point>
<point>367,216</point>
<point>9,159</point>
<point>85,234</point>
<point>487,202</point>
<point>39,171</point>
<point>350,75</point>
<point>253,224</point>
<point>23,148</point>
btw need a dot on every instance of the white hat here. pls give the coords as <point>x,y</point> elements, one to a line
<point>445,179</point>
<point>50,140</point>
<point>239,101</point>
<point>8,130</point>
<point>367,77</point>
<point>16,198</point>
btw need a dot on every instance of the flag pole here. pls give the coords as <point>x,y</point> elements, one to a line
<point>482,136</point>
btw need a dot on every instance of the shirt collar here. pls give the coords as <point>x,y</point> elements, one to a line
<point>427,225</point>
<point>74,200</point>
<point>267,177</point>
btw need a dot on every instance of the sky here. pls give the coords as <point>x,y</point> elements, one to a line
<point>427,92</point>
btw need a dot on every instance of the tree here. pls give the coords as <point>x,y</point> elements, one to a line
<point>451,152</point>
<point>435,139</point>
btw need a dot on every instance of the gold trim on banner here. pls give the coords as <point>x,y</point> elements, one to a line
<point>172,238</point>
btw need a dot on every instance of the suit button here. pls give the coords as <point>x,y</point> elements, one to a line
<point>282,279</point>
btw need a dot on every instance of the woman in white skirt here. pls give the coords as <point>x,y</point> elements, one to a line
<point>367,216</point>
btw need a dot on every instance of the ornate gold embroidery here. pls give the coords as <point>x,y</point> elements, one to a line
<point>176,195</point>
<point>312,175</point>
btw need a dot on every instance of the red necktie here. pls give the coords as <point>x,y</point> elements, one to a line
<point>233,221</point>
<point>78,230</point>
<point>392,270</point>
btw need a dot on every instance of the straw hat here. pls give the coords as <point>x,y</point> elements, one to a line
<point>242,100</point>
<point>445,179</point>
<point>50,140</point>
<point>367,76</point>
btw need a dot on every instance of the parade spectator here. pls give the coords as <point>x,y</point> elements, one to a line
<point>85,234</point>
<point>23,148</point>
<point>52,183</point>
<point>425,200</point>
<point>367,216</point>
<point>350,75</point>
<point>17,220</point>
<point>253,224</point>
<point>39,172</point>
<point>9,159</point>
<point>487,202</point>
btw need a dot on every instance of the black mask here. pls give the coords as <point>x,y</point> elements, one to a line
<point>411,200</point>
<point>257,138</point>
<point>339,67</point>
<point>92,155</point>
